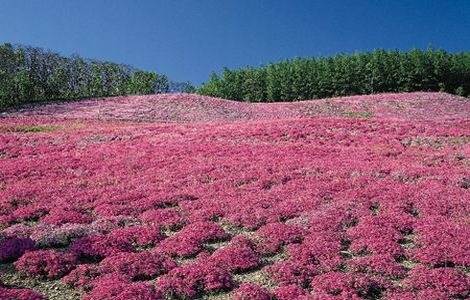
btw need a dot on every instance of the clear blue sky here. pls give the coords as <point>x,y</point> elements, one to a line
<point>187,39</point>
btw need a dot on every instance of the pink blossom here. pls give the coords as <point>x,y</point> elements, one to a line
<point>191,280</point>
<point>448,281</point>
<point>288,292</point>
<point>252,292</point>
<point>20,294</point>
<point>99,246</point>
<point>113,287</point>
<point>138,266</point>
<point>46,263</point>
<point>234,259</point>
<point>83,276</point>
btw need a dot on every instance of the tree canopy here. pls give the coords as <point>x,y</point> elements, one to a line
<point>30,74</point>
<point>379,71</point>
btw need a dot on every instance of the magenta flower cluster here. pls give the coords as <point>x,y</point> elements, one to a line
<point>138,266</point>
<point>192,280</point>
<point>115,287</point>
<point>252,292</point>
<point>46,263</point>
<point>96,247</point>
<point>190,240</point>
<point>20,294</point>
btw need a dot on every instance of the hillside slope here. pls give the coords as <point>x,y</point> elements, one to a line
<point>194,108</point>
<point>311,202</point>
<point>347,198</point>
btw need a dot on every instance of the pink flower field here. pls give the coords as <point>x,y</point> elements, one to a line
<point>190,197</point>
<point>187,108</point>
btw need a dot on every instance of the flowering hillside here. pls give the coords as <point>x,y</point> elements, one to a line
<point>194,108</point>
<point>348,198</point>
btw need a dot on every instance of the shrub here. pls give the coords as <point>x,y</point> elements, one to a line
<point>234,259</point>
<point>17,230</point>
<point>29,212</point>
<point>180,245</point>
<point>193,280</point>
<point>448,281</point>
<point>321,250</point>
<point>348,285</point>
<point>114,287</point>
<point>380,264</point>
<point>14,247</point>
<point>109,223</point>
<point>99,246</point>
<point>138,266</point>
<point>51,236</point>
<point>442,242</point>
<point>252,292</point>
<point>242,241</point>
<point>190,239</point>
<point>424,294</point>
<point>376,246</point>
<point>369,230</point>
<point>169,218</point>
<point>138,235</point>
<point>275,235</point>
<point>82,276</point>
<point>289,292</point>
<point>292,272</point>
<point>20,294</point>
<point>46,263</point>
<point>63,216</point>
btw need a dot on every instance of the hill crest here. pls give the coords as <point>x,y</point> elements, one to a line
<point>184,108</point>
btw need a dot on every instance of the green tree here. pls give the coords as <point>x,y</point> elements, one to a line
<point>29,74</point>
<point>212,87</point>
<point>7,73</point>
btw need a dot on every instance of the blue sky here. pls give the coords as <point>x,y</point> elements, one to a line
<point>187,39</point>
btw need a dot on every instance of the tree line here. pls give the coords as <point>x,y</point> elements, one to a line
<point>380,71</point>
<point>30,74</point>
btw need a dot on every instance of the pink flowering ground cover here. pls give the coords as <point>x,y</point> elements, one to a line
<point>187,108</point>
<point>348,198</point>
